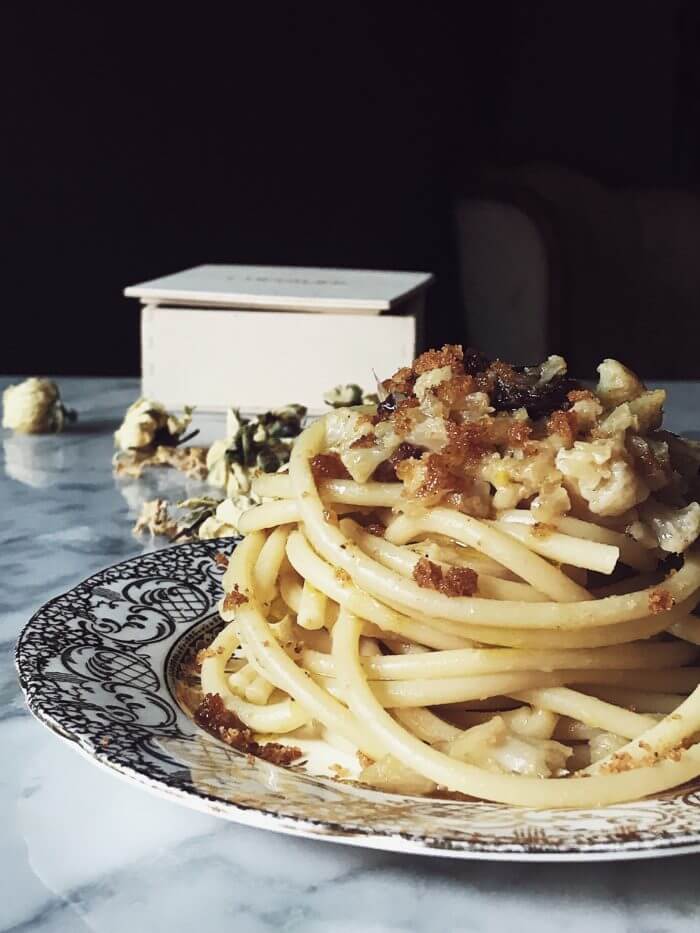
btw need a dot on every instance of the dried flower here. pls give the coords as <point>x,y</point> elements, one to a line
<point>344,396</point>
<point>214,518</point>
<point>155,518</point>
<point>147,425</point>
<point>260,443</point>
<point>224,522</point>
<point>34,407</point>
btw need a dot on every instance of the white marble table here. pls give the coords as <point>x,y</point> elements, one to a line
<point>82,850</point>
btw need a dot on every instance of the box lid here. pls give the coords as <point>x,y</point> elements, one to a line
<point>292,288</point>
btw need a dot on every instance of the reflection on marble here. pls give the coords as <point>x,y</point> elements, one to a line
<point>82,850</point>
<point>37,461</point>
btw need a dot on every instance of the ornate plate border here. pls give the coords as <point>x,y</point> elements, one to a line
<point>94,666</point>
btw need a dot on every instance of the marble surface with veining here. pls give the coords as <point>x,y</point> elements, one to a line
<point>81,849</point>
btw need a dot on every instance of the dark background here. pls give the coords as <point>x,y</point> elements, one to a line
<point>140,141</point>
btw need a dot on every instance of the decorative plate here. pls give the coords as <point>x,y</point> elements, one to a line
<point>99,667</point>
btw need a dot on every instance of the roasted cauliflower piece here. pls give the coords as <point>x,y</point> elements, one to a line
<point>600,471</point>
<point>617,384</point>
<point>673,529</point>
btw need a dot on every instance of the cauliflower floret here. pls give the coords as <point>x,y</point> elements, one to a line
<point>361,461</point>
<point>496,747</point>
<point>603,744</point>
<point>617,384</point>
<point>642,534</point>
<point>531,722</point>
<point>619,420</point>
<point>552,366</point>
<point>430,380</point>
<point>641,415</point>
<point>341,427</point>
<point>674,530</point>
<point>600,472</point>
<point>516,477</point>
<point>475,406</point>
<point>430,433</point>
<point>551,503</point>
<point>389,774</point>
<point>653,461</point>
<point>587,410</point>
<point>648,409</point>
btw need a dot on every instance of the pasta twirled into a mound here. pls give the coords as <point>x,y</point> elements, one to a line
<point>484,585</point>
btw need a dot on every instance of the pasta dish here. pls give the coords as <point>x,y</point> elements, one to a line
<point>482,585</point>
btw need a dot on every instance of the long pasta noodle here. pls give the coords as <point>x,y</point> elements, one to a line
<point>453,639</point>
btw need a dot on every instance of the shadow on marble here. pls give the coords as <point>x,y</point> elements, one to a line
<point>87,425</point>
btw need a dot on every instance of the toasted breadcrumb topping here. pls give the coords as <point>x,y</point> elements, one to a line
<point>376,529</point>
<point>580,395</point>
<point>209,652</point>
<point>563,423</point>
<point>660,600</point>
<point>450,355</point>
<point>365,440</point>
<point>328,466</point>
<point>457,581</point>
<point>542,529</point>
<point>402,420</point>
<point>234,599</point>
<point>624,761</point>
<point>212,716</point>
<point>481,436</point>
<point>339,771</point>
<point>401,382</point>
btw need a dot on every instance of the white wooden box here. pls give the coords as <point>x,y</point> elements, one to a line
<point>257,337</point>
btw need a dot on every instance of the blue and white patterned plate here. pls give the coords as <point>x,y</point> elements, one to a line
<point>99,667</point>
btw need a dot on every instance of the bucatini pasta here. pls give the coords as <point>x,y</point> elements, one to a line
<point>483,585</point>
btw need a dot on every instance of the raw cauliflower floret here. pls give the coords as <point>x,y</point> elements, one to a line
<point>600,472</point>
<point>617,384</point>
<point>674,529</point>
